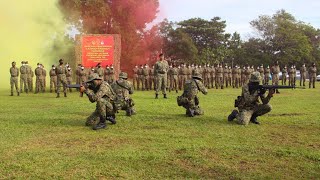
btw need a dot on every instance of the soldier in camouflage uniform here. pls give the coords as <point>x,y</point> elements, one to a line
<point>99,70</point>
<point>39,73</point>
<point>189,99</point>
<point>100,92</point>
<point>78,74</point>
<point>161,68</point>
<point>14,72</point>
<point>303,72</point>
<point>284,75</point>
<point>23,78</point>
<point>249,106</point>
<point>213,76</point>
<point>29,76</point>
<point>61,72</point>
<point>111,75</point>
<point>135,78</point>
<point>275,69</point>
<point>312,75</point>
<point>123,88</point>
<point>291,79</point>
<point>53,79</point>
<point>219,76</point>
<point>261,71</point>
<point>152,79</point>
<point>44,76</point>
<point>140,76</point>
<point>174,79</point>
<point>266,75</point>
<point>69,77</point>
<point>145,77</point>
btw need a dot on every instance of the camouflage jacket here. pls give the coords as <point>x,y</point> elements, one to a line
<point>251,99</point>
<point>99,71</point>
<point>161,67</point>
<point>122,88</point>
<point>14,72</point>
<point>192,87</point>
<point>103,91</point>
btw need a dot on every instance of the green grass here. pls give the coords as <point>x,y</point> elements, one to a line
<point>42,137</point>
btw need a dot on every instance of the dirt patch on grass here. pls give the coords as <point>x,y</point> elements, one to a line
<point>287,114</point>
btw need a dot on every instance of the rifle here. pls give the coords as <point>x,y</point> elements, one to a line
<point>86,85</point>
<point>263,88</point>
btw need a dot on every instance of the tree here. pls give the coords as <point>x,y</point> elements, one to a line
<point>126,17</point>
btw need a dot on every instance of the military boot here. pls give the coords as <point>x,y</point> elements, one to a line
<point>156,96</point>
<point>277,91</point>
<point>18,94</point>
<point>65,94</point>
<point>100,125</point>
<point>129,112</point>
<point>190,112</point>
<point>11,94</point>
<point>165,96</point>
<point>254,119</point>
<point>58,95</point>
<point>112,119</point>
<point>233,115</point>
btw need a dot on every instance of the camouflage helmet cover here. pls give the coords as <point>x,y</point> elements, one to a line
<point>197,75</point>
<point>255,77</point>
<point>123,75</point>
<point>93,76</point>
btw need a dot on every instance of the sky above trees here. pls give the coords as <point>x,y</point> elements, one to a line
<point>238,13</point>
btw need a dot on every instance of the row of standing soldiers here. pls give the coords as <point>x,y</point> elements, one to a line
<point>220,77</point>
<point>106,74</point>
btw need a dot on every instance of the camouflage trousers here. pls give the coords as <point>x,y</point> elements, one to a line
<point>14,83</point>
<point>39,85</point>
<point>30,83</point>
<point>161,83</point>
<point>126,105</point>
<point>23,83</point>
<point>69,81</point>
<point>192,104</point>
<point>275,79</point>
<point>104,108</point>
<point>62,81</point>
<point>245,115</point>
<point>53,83</point>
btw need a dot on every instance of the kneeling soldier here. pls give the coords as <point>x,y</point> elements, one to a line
<point>122,89</point>
<point>189,98</point>
<point>101,92</point>
<point>249,106</point>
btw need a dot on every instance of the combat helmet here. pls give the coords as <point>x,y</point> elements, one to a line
<point>123,75</point>
<point>255,77</point>
<point>93,76</point>
<point>197,75</point>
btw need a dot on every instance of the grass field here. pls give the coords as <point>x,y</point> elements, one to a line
<point>42,137</point>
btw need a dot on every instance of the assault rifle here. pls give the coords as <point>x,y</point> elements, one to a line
<point>263,88</point>
<point>77,86</point>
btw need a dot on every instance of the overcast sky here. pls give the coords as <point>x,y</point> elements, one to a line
<point>238,13</point>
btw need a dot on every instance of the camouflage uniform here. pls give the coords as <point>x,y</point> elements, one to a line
<point>145,78</point>
<point>62,80</point>
<point>82,75</point>
<point>189,99</point>
<point>261,71</point>
<point>161,69</point>
<point>291,79</point>
<point>152,79</point>
<point>29,77</point>
<point>219,81</point>
<point>44,78</point>
<point>213,76</point>
<point>303,72</point>
<point>99,71</point>
<point>39,84</point>
<point>69,77</point>
<point>275,74</point>
<point>135,78</point>
<point>284,76</point>
<point>23,78</point>
<point>140,78</point>
<point>312,75</point>
<point>53,79</point>
<point>14,72</point>
<point>249,106</point>
<point>174,79</point>
<point>111,75</point>
<point>122,88</point>
<point>266,75</point>
<point>104,96</point>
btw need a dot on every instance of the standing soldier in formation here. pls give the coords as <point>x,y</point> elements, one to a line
<point>312,75</point>
<point>38,72</point>
<point>213,76</point>
<point>82,75</point>
<point>78,74</point>
<point>247,73</point>
<point>206,75</point>
<point>230,76</point>
<point>69,77</point>
<point>294,75</point>
<point>174,79</point>
<point>275,70</point>
<point>303,72</point>
<point>152,85</point>
<point>266,75</point>
<point>284,75</point>
<point>61,71</point>
<point>189,99</point>
<point>44,77</point>
<point>29,76</point>
<point>261,71</point>
<point>140,75</point>
<point>291,74</point>
<point>23,78</point>
<point>189,72</point>
<point>184,75</point>
<point>236,77</point>
<point>243,75</point>
<point>53,79</point>
<point>161,69</point>
<point>111,75</point>
<point>135,78</point>
<point>248,104</point>
<point>225,75</point>
<point>99,70</point>
<point>91,71</point>
<point>219,77</point>
<point>122,89</point>
<point>106,72</point>
<point>145,77</point>
<point>14,72</point>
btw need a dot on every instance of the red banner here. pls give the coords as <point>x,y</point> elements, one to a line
<point>97,49</point>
